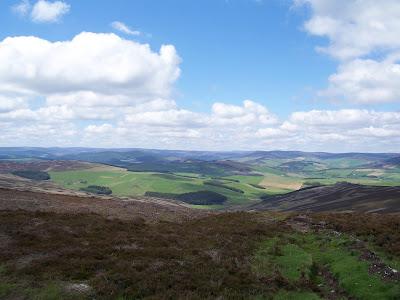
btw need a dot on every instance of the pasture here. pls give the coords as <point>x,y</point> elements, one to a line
<point>127,183</point>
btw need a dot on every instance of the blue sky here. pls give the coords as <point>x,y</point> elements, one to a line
<point>230,51</point>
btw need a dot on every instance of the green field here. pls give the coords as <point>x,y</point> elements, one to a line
<point>126,183</point>
<point>274,176</point>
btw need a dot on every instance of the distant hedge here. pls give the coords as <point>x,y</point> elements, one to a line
<point>312,183</point>
<point>221,185</point>
<point>257,186</point>
<point>97,189</point>
<point>226,179</point>
<point>202,198</point>
<point>35,175</point>
<point>195,198</point>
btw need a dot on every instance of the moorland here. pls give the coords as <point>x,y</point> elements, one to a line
<point>153,224</point>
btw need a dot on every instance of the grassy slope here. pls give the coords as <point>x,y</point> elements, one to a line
<point>124,183</point>
<point>273,179</point>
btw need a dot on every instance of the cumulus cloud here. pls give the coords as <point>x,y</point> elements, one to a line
<point>363,37</point>
<point>49,12</point>
<point>354,27</point>
<point>366,81</point>
<point>90,64</point>
<point>249,113</point>
<point>117,25</point>
<point>103,90</point>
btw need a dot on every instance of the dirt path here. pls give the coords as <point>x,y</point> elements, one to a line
<point>331,288</point>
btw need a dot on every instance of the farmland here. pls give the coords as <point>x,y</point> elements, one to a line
<point>126,183</point>
<point>243,178</point>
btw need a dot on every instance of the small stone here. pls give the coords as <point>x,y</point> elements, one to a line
<point>81,288</point>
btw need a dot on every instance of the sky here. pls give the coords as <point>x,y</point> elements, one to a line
<point>311,75</point>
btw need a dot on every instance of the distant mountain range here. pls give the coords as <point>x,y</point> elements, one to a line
<point>142,155</point>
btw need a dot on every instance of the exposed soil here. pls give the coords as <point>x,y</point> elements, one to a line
<point>331,289</point>
<point>377,266</point>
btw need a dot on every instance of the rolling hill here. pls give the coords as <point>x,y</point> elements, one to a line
<point>338,197</point>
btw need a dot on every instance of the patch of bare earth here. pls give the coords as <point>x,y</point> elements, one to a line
<point>333,291</point>
<point>376,264</point>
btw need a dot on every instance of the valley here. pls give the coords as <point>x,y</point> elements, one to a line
<point>152,224</point>
<point>240,178</point>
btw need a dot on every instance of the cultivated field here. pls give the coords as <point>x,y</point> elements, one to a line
<point>231,179</point>
<point>126,183</point>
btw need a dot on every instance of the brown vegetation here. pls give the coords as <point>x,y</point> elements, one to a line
<point>8,166</point>
<point>199,259</point>
<point>149,209</point>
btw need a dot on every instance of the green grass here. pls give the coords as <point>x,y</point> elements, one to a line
<point>50,292</point>
<point>6,289</point>
<point>289,260</point>
<point>294,256</point>
<point>275,181</point>
<point>294,262</point>
<point>352,273</point>
<point>329,171</point>
<point>125,183</point>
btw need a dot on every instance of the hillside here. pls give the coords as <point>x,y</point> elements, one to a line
<point>242,178</point>
<point>338,197</point>
<point>69,247</point>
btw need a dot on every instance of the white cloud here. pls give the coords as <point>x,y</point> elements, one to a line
<point>366,81</point>
<point>363,37</point>
<point>355,27</point>
<point>167,118</point>
<point>124,28</point>
<point>249,113</point>
<point>99,129</point>
<point>378,132</point>
<point>345,117</point>
<point>91,65</point>
<point>9,103</point>
<point>102,90</point>
<point>271,133</point>
<point>49,12</point>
